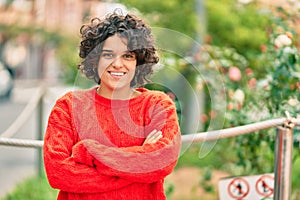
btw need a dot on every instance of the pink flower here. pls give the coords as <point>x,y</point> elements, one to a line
<point>298,85</point>
<point>249,71</point>
<point>263,48</point>
<point>252,83</point>
<point>208,39</point>
<point>229,106</point>
<point>203,118</point>
<point>213,114</point>
<point>234,74</point>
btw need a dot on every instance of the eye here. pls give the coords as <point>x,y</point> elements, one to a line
<point>129,56</point>
<point>107,55</point>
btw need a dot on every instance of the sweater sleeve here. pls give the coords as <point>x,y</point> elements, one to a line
<point>147,163</point>
<point>62,171</point>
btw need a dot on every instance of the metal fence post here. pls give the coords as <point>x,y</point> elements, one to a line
<point>283,163</point>
<point>40,130</point>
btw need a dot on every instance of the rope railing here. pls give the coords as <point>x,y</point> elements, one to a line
<point>24,116</point>
<point>232,132</point>
<point>190,138</point>
<point>21,142</point>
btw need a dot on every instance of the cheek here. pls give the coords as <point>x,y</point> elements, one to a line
<point>101,69</point>
<point>102,65</point>
<point>131,66</point>
<point>100,74</point>
<point>132,69</point>
<point>132,74</point>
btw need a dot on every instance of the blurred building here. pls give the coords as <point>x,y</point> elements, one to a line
<point>53,14</point>
<point>24,56</point>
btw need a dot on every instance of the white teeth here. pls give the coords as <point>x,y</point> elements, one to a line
<point>117,73</point>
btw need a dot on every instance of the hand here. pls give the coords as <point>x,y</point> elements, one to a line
<point>153,137</point>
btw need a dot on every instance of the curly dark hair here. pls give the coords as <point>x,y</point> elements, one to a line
<point>139,40</point>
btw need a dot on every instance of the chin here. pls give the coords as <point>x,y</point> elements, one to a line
<point>119,87</point>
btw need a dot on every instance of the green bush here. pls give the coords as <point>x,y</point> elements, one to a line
<point>33,188</point>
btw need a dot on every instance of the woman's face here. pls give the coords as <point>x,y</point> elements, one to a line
<point>116,67</point>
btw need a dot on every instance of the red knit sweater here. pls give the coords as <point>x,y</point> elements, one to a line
<point>93,146</point>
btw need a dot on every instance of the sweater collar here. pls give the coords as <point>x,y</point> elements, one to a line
<point>115,103</point>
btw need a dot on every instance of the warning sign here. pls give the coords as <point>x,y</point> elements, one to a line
<point>238,188</point>
<point>264,186</point>
<point>247,187</point>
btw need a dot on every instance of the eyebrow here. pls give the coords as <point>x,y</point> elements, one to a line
<point>111,51</point>
<point>107,50</point>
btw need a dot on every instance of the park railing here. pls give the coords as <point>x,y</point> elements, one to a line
<point>283,152</point>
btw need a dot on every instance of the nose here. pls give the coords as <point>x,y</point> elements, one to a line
<point>118,62</point>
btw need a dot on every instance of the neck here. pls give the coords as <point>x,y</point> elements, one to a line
<point>121,94</point>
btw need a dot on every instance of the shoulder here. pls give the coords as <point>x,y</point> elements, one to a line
<point>66,105</point>
<point>155,96</point>
<point>69,97</point>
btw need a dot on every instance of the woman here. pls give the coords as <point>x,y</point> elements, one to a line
<point>116,140</point>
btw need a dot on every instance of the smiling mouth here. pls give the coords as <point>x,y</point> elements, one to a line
<point>117,74</point>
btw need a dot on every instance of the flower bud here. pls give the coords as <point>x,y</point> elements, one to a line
<point>293,102</point>
<point>289,35</point>
<point>282,40</point>
<point>252,83</point>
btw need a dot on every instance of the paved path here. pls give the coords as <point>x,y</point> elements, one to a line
<point>18,163</point>
<point>15,163</point>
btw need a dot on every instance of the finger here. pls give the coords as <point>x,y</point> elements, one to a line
<point>152,133</point>
<point>155,137</point>
<point>154,140</point>
<point>148,138</point>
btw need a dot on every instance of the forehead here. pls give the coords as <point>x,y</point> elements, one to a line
<point>115,43</point>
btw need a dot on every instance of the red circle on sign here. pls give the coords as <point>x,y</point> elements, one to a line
<point>238,188</point>
<point>268,189</point>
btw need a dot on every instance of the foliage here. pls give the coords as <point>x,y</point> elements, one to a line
<point>255,95</point>
<point>12,31</point>
<point>33,188</point>
<point>37,188</point>
<point>244,105</point>
<point>169,188</point>
<point>242,27</point>
<point>205,180</point>
<point>214,160</point>
<point>165,13</point>
<point>284,68</point>
<point>67,52</point>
